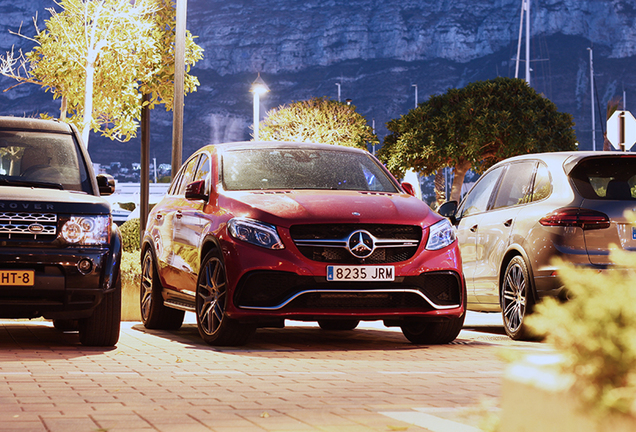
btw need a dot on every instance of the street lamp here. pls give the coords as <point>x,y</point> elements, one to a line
<point>338,84</point>
<point>258,88</point>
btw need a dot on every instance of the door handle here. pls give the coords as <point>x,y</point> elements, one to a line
<point>473,228</point>
<point>508,223</point>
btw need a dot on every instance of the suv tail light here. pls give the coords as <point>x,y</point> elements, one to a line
<point>583,218</point>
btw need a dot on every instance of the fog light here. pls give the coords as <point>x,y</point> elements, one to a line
<point>85,266</point>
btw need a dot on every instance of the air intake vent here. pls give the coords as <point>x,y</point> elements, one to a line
<point>15,225</point>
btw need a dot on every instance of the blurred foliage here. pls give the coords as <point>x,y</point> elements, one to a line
<point>475,127</point>
<point>595,331</point>
<point>130,234</point>
<point>318,120</point>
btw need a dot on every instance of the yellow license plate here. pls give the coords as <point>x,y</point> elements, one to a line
<point>17,277</point>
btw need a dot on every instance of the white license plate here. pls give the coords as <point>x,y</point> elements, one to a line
<point>17,277</point>
<point>360,273</point>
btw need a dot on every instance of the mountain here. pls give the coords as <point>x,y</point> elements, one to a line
<point>376,50</point>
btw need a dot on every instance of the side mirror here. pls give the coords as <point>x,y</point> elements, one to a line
<point>408,188</point>
<point>448,210</point>
<point>106,184</point>
<point>196,191</point>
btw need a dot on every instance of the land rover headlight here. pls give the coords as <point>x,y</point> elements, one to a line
<point>87,230</point>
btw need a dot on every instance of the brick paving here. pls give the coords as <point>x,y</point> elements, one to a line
<point>299,378</point>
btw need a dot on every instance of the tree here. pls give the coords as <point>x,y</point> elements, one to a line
<point>121,48</point>
<point>473,128</point>
<point>319,120</point>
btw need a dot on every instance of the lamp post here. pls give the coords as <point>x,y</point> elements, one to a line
<point>258,88</point>
<point>338,84</point>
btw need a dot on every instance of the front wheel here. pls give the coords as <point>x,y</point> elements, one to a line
<point>215,327</point>
<point>422,332</point>
<point>516,300</point>
<point>102,328</point>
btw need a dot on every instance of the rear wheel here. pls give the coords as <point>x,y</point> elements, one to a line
<point>102,328</point>
<point>215,327</point>
<point>423,332</point>
<point>516,301</point>
<point>338,324</point>
<point>154,314</point>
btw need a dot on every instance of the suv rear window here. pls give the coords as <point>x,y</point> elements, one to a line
<point>611,178</point>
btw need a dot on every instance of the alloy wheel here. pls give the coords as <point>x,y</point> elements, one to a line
<point>211,296</point>
<point>514,297</point>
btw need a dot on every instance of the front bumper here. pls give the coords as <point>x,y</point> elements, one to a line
<point>60,289</point>
<point>284,284</point>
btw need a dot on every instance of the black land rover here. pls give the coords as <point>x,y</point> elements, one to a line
<point>59,249</point>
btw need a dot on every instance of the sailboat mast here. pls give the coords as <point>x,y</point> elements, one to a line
<point>525,10</point>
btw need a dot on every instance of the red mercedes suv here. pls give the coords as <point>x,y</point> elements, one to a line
<point>253,233</point>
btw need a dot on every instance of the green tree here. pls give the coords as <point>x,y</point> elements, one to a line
<point>319,120</point>
<point>100,56</point>
<point>473,128</point>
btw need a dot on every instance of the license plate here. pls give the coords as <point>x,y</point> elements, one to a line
<point>633,233</point>
<point>17,277</point>
<point>360,273</point>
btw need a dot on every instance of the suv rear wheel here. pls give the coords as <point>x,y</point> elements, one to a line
<point>154,314</point>
<point>215,327</point>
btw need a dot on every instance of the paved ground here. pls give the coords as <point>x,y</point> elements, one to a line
<point>299,378</point>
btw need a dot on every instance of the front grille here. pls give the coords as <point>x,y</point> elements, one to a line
<point>15,225</point>
<point>328,242</point>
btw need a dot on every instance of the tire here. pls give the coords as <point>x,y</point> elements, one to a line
<point>66,325</point>
<point>516,299</point>
<point>215,327</point>
<point>102,328</point>
<point>338,324</point>
<point>421,332</point>
<point>154,314</point>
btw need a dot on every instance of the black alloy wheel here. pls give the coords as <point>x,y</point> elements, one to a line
<point>215,327</point>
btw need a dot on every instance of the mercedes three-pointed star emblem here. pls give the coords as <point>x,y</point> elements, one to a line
<point>361,244</point>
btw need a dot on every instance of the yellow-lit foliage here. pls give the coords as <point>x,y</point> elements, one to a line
<point>318,120</point>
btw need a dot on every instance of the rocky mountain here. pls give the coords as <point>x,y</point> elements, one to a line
<point>375,50</point>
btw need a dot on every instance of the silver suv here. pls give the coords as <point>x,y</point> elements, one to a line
<point>528,209</point>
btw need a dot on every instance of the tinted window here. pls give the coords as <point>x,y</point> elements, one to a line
<point>516,185</point>
<point>204,168</point>
<point>303,169</point>
<point>542,183</point>
<point>606,178</point>
<point>42,157</point>
<point>477,199</point>
<point>187,176</point>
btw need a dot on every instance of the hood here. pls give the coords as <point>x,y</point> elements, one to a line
<point>26,199</point>
<point>285,208</point>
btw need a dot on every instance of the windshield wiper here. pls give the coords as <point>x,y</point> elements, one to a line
<point>27,183</point>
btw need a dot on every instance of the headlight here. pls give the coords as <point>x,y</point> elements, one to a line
<point>440,235</point>
<point>255,232</point>
<point>87,230</point>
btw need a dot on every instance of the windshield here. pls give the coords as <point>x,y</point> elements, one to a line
<point>267,169</point>
<point>41,159</point>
